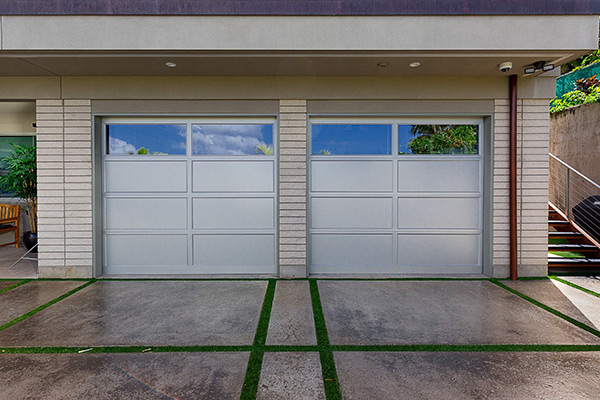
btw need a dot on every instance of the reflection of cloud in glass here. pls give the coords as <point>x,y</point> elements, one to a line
<point>230,139</point>
<point>118,146</point>
<point>152,138</point>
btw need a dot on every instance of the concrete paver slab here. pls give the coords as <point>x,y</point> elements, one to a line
<point>29,296</point>
<point>587,282</point>
<point>147,313</point>
<point>5,284</point>
<point>564,298</point>
<point>292,321</point>
<point>122,376</point>
<point>506,375</point>
<point>450,312</point>
<point>291,376</point>
<point>25,269</point>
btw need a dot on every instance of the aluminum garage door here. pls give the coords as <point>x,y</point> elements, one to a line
<point>395,196</point>
<point>189,196</point>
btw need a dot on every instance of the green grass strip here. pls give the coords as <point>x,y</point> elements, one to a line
<point>252,377</point>
<point>16,285</point>
<point>549,309</point>
<point>321,329</point>
<point>250,387</point>
<point>330,377</point>
<point>185,279</point>
<point>400,279</point>
<point>265,315</point>
<point>44,306</point>
<point>468,348</point>
<point>341,348</point>
<point>123,349</point>
<point>575,286</point>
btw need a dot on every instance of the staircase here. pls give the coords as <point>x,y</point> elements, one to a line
<point>579,252</point>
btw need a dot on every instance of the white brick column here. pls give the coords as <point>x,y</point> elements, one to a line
<point>64,138</point>
<point>532,188</point>
<point>292,189</point>
<point>533,170</point>
<point>50,185</point>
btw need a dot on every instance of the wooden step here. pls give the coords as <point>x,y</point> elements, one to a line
<point>573,262</point>
<point>553,215</point>
<point>565,235</point>
<point>558,222</point>
<point>575,247</point>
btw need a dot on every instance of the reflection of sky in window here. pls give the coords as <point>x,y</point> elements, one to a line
<point>232,140</point>
<point>157,139</point>
<point>404,136</point>
<point>351,139</point>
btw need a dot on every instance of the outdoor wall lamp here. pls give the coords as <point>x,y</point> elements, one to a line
<point>538,66</point>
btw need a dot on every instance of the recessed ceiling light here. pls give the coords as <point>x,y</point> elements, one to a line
<point>382,65</point>
<point>414,64</point>
<point>170,64</point>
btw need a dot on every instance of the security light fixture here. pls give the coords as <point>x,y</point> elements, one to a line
<point>414,64</point>
<point>170,64</point>
<point>538,66</point>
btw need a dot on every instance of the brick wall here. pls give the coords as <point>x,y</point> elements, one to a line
<point>532,188</point>
<point>64,138</point>
<point>292,188</point>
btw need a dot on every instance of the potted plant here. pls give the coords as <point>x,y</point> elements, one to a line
<point>21,180</point>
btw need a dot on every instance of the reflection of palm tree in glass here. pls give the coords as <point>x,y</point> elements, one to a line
<point>264,149</point>
<point>142,151</point>
<point>324,152</point>
<point>443,139</point>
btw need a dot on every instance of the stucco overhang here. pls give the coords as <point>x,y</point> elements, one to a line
<point>288,46</point>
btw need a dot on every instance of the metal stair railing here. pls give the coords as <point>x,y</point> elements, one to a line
<point>575,195</point>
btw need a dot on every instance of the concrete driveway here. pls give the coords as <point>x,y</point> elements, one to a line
<point>300,339</point>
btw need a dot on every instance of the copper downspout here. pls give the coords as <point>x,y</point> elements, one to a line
<point>514,273</point>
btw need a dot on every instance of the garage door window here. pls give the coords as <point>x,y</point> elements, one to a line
<point>146,139</point>
<point>232,139</point>
<point>438,139</point>
<point>351,139</point>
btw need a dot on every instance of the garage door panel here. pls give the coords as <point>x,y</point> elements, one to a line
<point>200,201</point>
<point>146,250</point>
<point>351,176</point>
<point>356,213</point>
<point>144,213</point>
<point>439,213</point>
<point>233,176</point>
<point>439,250</point>
<point>248,253</point>
<point>439,176</point>
<point>241,213</point>
<point>354,253</point>
<point>145,176</point>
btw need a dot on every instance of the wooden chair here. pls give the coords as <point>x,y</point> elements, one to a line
<point>9,221</point>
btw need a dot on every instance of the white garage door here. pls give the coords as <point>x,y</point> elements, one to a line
<point>395,196</point>
<point>184,196</point>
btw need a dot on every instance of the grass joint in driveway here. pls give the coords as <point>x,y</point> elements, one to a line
<point>16,285</point>
<point>250,387</point>
<point>574,285</point>
<point>44,306</point>
<point>548,308</point>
